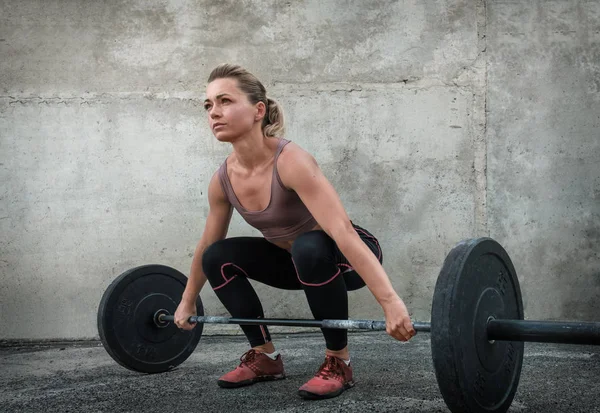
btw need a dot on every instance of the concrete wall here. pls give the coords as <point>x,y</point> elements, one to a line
<point>436,121</point>
<point>543,136</point>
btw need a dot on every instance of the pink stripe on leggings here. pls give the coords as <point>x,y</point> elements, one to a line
<point>339,271</point>
<point>227,281</point>
<point>374,239</point>
<point>262,329</point>
<point>348,267</point>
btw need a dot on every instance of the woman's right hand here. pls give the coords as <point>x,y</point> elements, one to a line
<point>183,313</point>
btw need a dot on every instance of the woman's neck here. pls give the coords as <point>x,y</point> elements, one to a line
<point>252,150</point>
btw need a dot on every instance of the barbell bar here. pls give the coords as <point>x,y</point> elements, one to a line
<point>336,324</point>
<point>576,332</point>
<point>477,325</point>
<point>559,332</point>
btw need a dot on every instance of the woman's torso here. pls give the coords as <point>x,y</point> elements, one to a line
<point>253,188</point>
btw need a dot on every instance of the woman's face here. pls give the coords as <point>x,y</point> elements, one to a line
<point>230,113</point>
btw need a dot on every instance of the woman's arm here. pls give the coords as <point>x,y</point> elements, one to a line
<point>215,229</point>
<point>300,172</point>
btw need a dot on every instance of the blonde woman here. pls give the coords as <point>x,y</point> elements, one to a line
<point>308,239</point>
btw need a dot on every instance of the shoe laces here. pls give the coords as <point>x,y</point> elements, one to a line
<point>331,367</point>
<point>248,357</point>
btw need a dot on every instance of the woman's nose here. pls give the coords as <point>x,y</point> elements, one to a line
<point>215,112</point>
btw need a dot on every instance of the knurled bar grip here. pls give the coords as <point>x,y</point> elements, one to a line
<point>338,324</point>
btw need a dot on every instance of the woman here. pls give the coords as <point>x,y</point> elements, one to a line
<point>309,242</point>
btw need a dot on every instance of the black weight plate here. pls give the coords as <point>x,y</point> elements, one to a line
<point>477,281</point>
<point>126,320</point>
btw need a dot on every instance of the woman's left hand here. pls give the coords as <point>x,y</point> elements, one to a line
<point>397,320</point>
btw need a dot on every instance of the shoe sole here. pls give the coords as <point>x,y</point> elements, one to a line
<point>233,384</point>
<point>315,396</point>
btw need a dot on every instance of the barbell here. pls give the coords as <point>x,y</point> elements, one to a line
<point>477,325</point>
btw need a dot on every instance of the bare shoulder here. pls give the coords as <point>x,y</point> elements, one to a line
<point>293,156</point>
<point>296,165</point>
<point>215,190</point>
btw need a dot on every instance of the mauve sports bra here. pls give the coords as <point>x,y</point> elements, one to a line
<point>284,218</point>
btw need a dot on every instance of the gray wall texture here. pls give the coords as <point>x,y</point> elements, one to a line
<point>436,121</point>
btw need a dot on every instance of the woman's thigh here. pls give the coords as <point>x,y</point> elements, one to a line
<point>352,278</point>
<point>252,257</point>
<point>319,259</point>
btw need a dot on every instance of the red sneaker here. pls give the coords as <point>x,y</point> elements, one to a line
<point>255,366</point>
<point>333,377</point>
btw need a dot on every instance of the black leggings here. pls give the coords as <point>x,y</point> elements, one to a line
<point>315,265</point>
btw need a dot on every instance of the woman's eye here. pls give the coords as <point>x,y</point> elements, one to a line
<point>207,107</point>
<point>225,100</point>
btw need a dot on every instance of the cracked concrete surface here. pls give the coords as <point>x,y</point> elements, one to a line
<point>390,377</point>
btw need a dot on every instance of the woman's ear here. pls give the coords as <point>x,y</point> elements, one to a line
<point>261,111</point>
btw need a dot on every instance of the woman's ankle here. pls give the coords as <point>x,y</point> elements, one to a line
<point>343,354</point>
<point>265,348</point>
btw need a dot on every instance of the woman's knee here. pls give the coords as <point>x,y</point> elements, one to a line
<point>312,246</point>
<point>314,256</point>
<point>214,256</point>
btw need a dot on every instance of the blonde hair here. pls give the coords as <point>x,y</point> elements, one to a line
<point>272,124</point>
